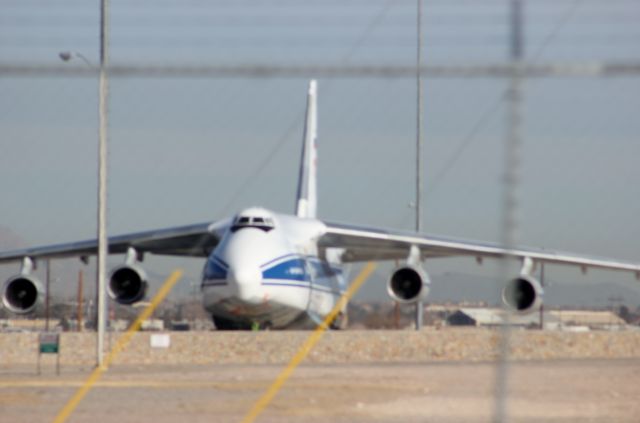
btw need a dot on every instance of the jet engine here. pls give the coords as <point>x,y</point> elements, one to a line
<point>128,284</point>
<point>523,294</point>
<point>408,284</point>
<point>22,293</point>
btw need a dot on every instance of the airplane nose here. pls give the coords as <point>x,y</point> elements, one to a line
<point>247,280</point>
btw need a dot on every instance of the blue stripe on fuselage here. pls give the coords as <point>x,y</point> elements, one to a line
<point>294,270</point>
<point>291,267</point>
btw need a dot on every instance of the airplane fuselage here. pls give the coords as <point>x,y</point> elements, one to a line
<point>266,271</point>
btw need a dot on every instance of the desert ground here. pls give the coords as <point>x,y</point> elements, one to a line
<point>577,390</point>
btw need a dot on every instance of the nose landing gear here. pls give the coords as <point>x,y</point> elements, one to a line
<point>222,323</point>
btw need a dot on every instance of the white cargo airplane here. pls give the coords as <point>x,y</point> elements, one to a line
<point>285,271</point>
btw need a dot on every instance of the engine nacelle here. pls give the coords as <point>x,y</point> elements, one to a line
<point>22,293</point>
<point>523,294</point>
<point>408,284</point>
<point>128,284</point>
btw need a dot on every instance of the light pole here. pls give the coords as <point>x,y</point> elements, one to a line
<point>103,92</point>
<point>102,195</point>
<point>100,270</point>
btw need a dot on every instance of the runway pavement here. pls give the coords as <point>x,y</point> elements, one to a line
<point>592,390</point>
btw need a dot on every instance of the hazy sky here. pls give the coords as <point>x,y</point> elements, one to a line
<point>191,150</point>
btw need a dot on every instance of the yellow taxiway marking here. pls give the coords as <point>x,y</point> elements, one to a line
<point>306,347</point>
<point>124,340</point>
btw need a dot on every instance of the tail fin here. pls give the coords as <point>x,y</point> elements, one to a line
<point>307,195</point>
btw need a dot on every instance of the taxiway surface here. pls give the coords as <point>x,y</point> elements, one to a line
<point>539,391</point>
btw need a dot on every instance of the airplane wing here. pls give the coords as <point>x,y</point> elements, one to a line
<point>364,244</point>
<point>196,240</point>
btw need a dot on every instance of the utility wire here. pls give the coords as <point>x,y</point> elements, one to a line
<point>491,110</point>
<point>495,106</point>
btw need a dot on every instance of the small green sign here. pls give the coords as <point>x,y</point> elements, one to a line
<point>49,348</point>
<point>49,343</point>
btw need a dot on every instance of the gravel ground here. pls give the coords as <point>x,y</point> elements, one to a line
<point>564,391</point>
<point>351,346</point>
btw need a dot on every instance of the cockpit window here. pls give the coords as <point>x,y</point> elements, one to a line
<point>259,222</point>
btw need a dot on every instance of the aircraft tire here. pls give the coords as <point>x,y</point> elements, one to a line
<point>225,324</point>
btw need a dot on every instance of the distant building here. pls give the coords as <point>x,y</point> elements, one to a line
<point>118,325</point>
<point>491,317</point>
<point>152,325</point>
<point>554,319</point>
<point>461,318</point>
<point>29,325</point>
<point>591,319</point>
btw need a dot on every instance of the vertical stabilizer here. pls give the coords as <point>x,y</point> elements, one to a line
<point>307,194</point>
